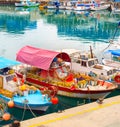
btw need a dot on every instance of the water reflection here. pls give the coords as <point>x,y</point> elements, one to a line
<point>92,26</point>
<point>15,21</point>
<point>43,28</point>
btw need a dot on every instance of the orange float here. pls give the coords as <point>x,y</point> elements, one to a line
<point>54,100</point>
<point>11,104</point>
<point>6,116</point>
<point>15,79</point>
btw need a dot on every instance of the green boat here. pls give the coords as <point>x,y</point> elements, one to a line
<point>31,4</point>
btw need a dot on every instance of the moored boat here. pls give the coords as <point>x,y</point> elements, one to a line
<point>88,63</point>
<point>27,4</point>
<point>114,58</point>
<point>20,4</point>
<point>81,7</point>
<point>23,95</point>
<point>99,7</point>
<point>46,68</point>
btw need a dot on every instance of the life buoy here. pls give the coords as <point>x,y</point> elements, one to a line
<point>53,90</point>
<point>117,78</point>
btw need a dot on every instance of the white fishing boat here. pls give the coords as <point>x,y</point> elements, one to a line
<point>114,58</point>
<point>20,4</point>
<point>81,7</point>
<point>99,7</point>
<point>88,63</point>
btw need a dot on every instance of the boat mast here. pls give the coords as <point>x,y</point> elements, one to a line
<point>91,53</point>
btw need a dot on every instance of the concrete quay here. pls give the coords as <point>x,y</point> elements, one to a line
<point>93,114</point>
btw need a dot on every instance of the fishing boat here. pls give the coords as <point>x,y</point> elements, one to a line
<point>81,7</point>
<point>88,63</point>
<point>14,89</point>
<point>20,4</point>
<point>44,68</point>
<point>27,4</point>
<point>31,4</point>
<point>114,58</point>
<point>99,6</point>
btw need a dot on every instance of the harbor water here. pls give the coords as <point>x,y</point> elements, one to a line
<point>55,30</point>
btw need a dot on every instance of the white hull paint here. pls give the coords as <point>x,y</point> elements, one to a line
<point>100,8</point>
<point>80,95</point>
<point>43,108</point>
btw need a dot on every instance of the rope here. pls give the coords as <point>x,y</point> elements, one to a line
<point>24,112</point>
<point>31,111</point>
<point>25,107</point>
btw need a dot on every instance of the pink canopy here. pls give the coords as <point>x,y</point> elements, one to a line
<point>40,58</point>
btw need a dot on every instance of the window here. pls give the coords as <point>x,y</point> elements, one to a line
<point>9,78</point>
<point>83,63</point>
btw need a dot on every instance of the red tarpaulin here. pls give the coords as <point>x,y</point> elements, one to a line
<point>40,58</point>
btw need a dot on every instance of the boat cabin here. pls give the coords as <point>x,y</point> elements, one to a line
<point>87,62</point>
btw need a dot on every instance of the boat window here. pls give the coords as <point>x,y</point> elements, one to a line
<point>83,57</point>
<point>9,78</point>
<point>109,72</point>
<point>91,63</point>
<point>96,61</point>
<point>83,63</point>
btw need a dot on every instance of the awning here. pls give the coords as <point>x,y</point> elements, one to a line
<point>4,62</point>
<point>40,58</point>
<point>114,52</point>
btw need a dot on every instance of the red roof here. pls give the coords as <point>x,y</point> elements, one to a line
<point>40,58</point>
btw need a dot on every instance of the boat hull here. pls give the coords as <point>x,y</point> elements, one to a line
<point>105,7</point>
<point>23,103</point>
<point>82,95</point>
<point>76,93</point>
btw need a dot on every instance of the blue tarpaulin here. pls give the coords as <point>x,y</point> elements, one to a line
<point>116,0</point>
<point>114,52</point>
<point>4,62</point>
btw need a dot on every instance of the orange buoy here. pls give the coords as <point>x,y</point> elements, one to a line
<point>15,79</point>
<point>11,104</point>
<point>54,100</point>
<point>6,116</point>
